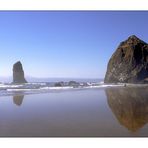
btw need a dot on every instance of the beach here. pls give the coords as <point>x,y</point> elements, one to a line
<point>93,112</point>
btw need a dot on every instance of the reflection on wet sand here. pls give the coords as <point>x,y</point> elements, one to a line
<point>18,99</point>
<point>130,106</point>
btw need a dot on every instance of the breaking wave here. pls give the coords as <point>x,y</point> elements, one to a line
<point>30,88</point>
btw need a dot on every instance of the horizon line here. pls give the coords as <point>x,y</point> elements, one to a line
<point>56,77</point>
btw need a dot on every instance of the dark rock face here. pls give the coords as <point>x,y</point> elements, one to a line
<point>59,84</point>
<point>73,83</point>
<point>129,63</point>
<point>18,73</point>
<point>129,105</point>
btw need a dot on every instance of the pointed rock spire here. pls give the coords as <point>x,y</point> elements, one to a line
<point>18,73</point>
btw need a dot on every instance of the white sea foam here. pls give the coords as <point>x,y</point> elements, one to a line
<point>104,85</point>
<point>56,88</point>
<point>30,88</point>
<point>36,83</point>
<point>102,82</point>
<point>9,86</point>
<point>13,90</point>
<point>60,88</point>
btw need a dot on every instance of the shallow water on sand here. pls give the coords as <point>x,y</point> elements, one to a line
<point>92,112</point>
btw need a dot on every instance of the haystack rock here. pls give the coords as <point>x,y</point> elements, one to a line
<point>129,63</point>
<point>18,73</point>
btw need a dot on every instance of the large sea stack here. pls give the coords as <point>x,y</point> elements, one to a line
<point>18,73</point>
<point>129,63</point>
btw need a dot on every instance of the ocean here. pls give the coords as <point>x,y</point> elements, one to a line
<point>51,84</point>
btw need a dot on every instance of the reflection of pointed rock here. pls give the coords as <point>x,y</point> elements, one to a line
<point>18,73</point>
<point>18,99</point>
<point>130,106</point>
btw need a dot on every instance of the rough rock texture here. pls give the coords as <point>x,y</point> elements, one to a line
<point>73,83</point>
<point>59,84</point>
<point>129,105</point>
<point>18,73</point>
<point>129,63</point>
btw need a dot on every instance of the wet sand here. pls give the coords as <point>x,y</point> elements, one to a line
<point>118,111</point>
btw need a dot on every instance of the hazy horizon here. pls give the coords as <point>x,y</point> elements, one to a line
<point>8,79</point>
<point>65,44</point>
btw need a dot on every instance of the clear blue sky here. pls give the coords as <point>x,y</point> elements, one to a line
<point>65,44</point>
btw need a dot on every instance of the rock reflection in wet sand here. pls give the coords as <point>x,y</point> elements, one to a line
<point>130,106</point>
<point>18,99</point>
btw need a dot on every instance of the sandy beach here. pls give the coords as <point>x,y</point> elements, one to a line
<point>111,111</point>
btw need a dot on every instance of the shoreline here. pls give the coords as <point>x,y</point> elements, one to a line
<point>27,91</point>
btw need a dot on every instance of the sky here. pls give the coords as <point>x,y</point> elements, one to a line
<point>70,44</point>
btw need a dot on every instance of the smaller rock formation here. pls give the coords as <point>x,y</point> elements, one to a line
<point>73,83</point>
<point>59,84</point>
<point>18,73</point>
